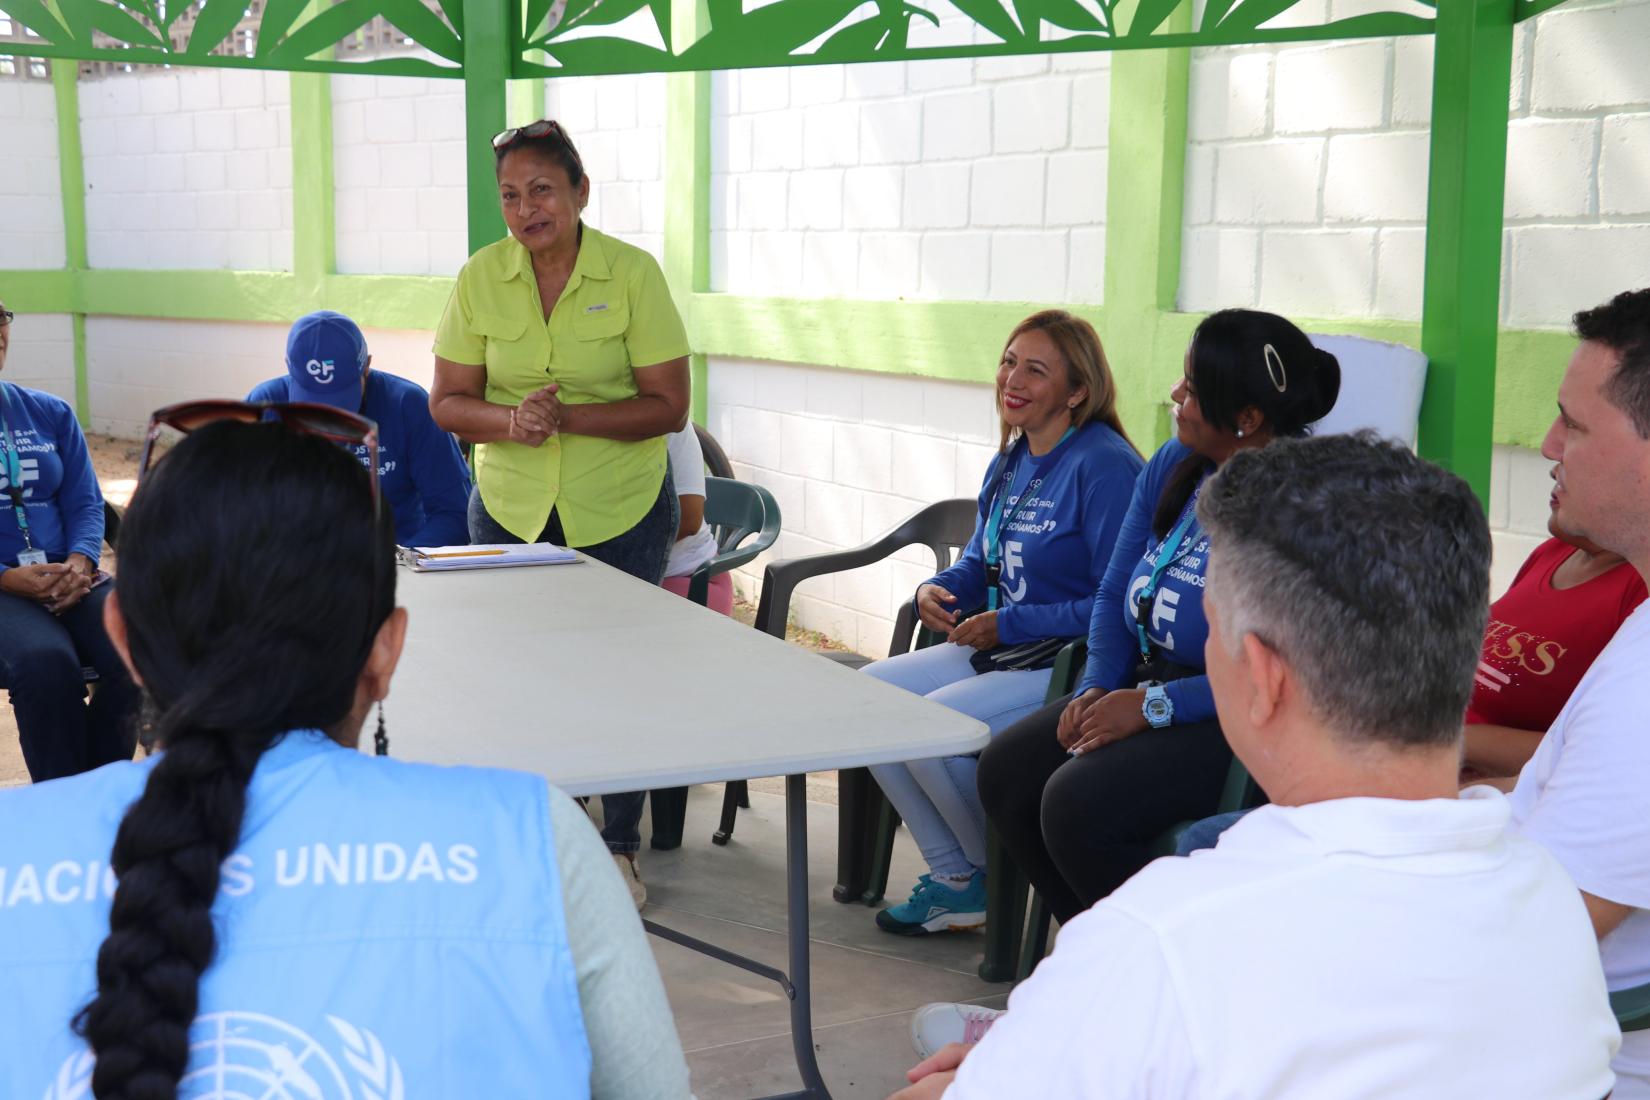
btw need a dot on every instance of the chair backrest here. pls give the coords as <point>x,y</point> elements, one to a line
<point>716,459</point>
<point>736,510</point>
<point>945,529</point>
<point>1381,386</point>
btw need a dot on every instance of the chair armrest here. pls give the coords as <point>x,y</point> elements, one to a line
<point>1632,1007</point>
<point>780,578</point>
<point>1068,668</point>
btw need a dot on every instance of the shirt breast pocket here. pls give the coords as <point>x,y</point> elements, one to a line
<point>495,326</point>
<point>606,324</point>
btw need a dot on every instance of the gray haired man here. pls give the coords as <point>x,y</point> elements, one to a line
<point>1369,934</point>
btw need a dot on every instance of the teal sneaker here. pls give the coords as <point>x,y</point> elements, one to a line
<point>936,907</point>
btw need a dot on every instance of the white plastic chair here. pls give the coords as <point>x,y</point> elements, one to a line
<point>1381,387</point>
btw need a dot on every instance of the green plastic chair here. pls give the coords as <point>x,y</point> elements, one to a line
<point>1239,792</point>
<point>745,519</point>
<point>944,528</point>
<point>1632,1007</point>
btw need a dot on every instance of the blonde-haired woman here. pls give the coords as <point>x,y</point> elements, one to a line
<point>1050,507</point>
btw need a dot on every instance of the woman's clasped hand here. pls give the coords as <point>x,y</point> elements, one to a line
<point>537,418</point>
<point>56,585</point>
<point>1097,718</point>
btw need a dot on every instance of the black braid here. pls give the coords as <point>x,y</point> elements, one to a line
<point>247,585</point>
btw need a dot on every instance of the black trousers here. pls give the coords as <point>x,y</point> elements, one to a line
<point>1080,826</point>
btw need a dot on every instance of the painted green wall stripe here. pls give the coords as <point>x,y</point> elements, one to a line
<point>1145,169</point>
<point>955,341</point>
<point>71,169</point>
<point>314,196</point>
<point>33,291</point>
<point>524,102</point>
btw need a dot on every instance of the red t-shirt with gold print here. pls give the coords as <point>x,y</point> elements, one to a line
<point>1541,639</point>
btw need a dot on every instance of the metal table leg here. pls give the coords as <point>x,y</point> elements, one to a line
<point>796,924</point>
<point>798,986</point>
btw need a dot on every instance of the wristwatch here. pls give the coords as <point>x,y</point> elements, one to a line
<point>1157,708</point>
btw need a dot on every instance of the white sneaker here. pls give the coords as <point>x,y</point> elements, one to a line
<point>934,1025</point>
<point>631,871</point>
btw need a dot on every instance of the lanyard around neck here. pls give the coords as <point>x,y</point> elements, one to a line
<point>1176,546</point>
<point>14,470</point>
<point>994,522</point>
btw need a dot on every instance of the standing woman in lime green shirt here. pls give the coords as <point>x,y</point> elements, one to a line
<point>561,354</point>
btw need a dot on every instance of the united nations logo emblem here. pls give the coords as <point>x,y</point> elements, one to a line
<point>240,1054</point>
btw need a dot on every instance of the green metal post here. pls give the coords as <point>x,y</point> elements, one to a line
<point>1471,82</point>
<point>687,188</point>
<point>488,47</point>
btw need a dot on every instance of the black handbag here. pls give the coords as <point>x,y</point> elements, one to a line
<point>1020,657</point>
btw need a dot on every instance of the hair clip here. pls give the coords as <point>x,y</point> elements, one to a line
<point>1274,368</point>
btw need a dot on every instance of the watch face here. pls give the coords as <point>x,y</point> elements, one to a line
<point>1157,710</point>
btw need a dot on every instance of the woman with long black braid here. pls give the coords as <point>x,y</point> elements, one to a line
<point>282,915</point>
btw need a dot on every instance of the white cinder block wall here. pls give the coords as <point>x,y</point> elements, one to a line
<point>31,232</point>
<point>188,168</point>
<point>398,175</point>
<point>618,126</point>
<point>134,366</point>
<point>41,353</point>
<point>953,179</point>
<point>1306,189</point>
<point>848,455</point>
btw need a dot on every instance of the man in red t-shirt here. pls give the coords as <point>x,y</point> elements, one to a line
<point>1563,608</point>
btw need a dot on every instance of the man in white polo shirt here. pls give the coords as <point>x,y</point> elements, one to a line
<point>1369,934</point>
<point>1585,795</point>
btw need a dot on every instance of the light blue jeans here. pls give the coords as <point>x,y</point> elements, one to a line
<point>937,798</point>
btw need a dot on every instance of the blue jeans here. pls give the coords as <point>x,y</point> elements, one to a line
<point>1205,833</point>
<point>937,799</point>
<point>41,656</point>
<point>643,551</point>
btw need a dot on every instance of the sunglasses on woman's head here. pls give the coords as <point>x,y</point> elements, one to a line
<point>302,417</point>
<point>544,127</point>
<point>7,316</point>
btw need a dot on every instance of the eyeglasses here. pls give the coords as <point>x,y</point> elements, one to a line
<point>544,127</point>
<point>6,317</point>
<point>300,416</point>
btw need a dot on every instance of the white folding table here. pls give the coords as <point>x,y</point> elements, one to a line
<point>604,684</point>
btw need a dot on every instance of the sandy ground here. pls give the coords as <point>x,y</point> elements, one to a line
<point>115,461</point>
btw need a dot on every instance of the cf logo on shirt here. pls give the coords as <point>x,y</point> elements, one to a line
<point>28,469</point>
<point>320,369</point>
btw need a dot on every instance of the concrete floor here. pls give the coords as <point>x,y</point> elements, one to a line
<point>734,1025</point>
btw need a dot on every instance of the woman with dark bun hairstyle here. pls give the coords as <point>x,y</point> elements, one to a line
<point>1081,788</point>
<point>258,909</point>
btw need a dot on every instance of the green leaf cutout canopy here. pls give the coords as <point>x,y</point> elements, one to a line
<point>582,37</point>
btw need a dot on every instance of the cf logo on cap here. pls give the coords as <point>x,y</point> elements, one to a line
<point>320,370</point>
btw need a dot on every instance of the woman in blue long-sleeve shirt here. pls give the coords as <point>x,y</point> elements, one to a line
<point>51,615</point>
<point>1049,511</point>
<point>1080,788</point>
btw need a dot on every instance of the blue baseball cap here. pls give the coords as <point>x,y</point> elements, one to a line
<point>326,355</point>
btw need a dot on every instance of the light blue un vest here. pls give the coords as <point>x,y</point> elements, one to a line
<point>386,931</point>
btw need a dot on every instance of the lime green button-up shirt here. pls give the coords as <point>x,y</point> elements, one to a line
<point>614,315</point>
